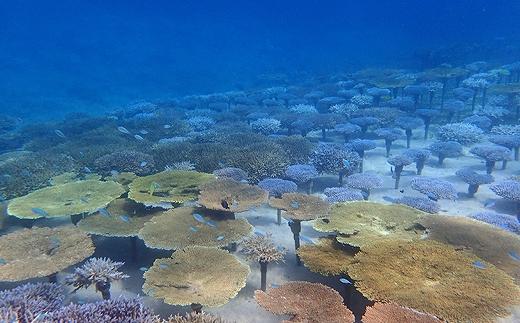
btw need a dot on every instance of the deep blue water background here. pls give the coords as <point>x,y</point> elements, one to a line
<point>79,55</point>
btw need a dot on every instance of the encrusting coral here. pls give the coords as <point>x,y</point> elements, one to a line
<point>100,272</point>
<point>196,275</point>
<point>326,257</point>
<point>165,188</point>
<point>185,226</point>
<point>41,252</point>
<point>305,302</point>
<point>364,223</point>
<point>434,278</point>
<point>230,196</point>
<point>66,199</point>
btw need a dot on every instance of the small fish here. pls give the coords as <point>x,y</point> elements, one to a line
<point>211,224</point>
<point>114,173</point>
<point>220,238</point>
<point>87,170</point>
<point>39,211</point>
<point>306,239</point>
<point>489,203</point>
<point>259,232</point>
<point>402,191</point>
<point>325,220</point>
<point>224,204</point>
<point>154,186</point>
<point>514,256</point>
<point>143,164</point>
<point>345,281</point>
<point>104,212</point>
<point>3,261</point>
<point>83,199</point>
<point>138,137</point>
<point>143,269</point>
<point>59,133</point>
<point>346,163</point>
<point>167,126</point>
<point>125,218</point>
<point>273,285</point>
<point>143,132</point>
<point>163,266</point>
<point>193,229</point>
<point>123,130</point>
<point>295,204</point>
<point>198,218</point>
<point>479,264</point>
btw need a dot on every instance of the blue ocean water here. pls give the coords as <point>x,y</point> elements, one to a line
<point>60,56</point>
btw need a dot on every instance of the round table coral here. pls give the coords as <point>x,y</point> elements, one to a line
<point>65,199</point>
<point>434,278</point>
<point>200,275</point>
<point>167,187</point>
<point>301,207</point>
<point>230,195</point>
<point>305,302</point>
<point>326,257</point>
<point>362,223</point>
<point>185,226</point>
<point>40,252</point>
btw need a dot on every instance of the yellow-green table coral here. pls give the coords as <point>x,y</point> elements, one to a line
<point>167,187</point>
<point>65,199</point>
<point>182,227</point>
<point>326,257</point>
<point>362,223</point>
<point>201,275</point>
<point>230,195</point>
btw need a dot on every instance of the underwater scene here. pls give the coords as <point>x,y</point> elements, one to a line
<point>259,161</point>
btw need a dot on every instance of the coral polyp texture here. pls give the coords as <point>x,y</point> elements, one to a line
<point>167,187</point>
<point>66,199</point>
<point>434,278</point>
<point>305,302</point>
<point>261,248</point>
<point>391,312</point>
<point>327,257</point>
<point>202,275</point>
<point>463,133</point>
<point>302,207</point>
<point>185,226</point>
<point>40,252</point>
<point>230,195</point>
<point>434,188</point>
<point>363,223</point>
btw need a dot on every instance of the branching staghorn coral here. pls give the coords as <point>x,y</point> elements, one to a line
<point>100,272</point>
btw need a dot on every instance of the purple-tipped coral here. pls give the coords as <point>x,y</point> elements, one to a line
<point>419,156</point>
<point>389,135</point>
<point>434,188</point>
<point>302,174</point>
<point>234,173</point>
<point>100,272</point>
<point>26,302</point>
<point>491,154</point>
<point>342,194</point>
<point>509,141</point>
<point>360,146</point>
<point>399,162</point>
<point>503,221</point>
<point>473,179</point>
<point>508,189</point>
<point>463,133</point>
<point>125,161</point>
<point>408,124</point>
<point>332,159</point>
<point>364,182</point>
<point>420,203</point>
<point>445,149</point>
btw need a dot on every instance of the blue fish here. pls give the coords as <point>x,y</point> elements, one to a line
<point>125,218</point>
<point>194,229</point>
<point>87,170</point>
<point>489,203</point>
<point>3,261</point>
<point>220,238</point>
<point>104,212</point>
<point>295,204</point>
<point>211,224</point>
<point>514,256</point>
<point>83,199</point>
<point>138,137</point>
<point>163,266</point>
<point>123,130</point>
<point>39,211</point>
<point>306,239</point>
<point>114,172</point>
<point>143,164</point>
<point>479,264</point>
<point>59,133</point>
<point>346,163</point>
<point>273,285</point>
<point>143,269</point>
<point>198,218</point>
<point>345,281</point>
<point>143,132</point>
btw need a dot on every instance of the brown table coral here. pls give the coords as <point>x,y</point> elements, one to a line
<point>65,199</point>
<point>389,312</point>
<point>231,196</point>
<point>40,252</point>
<point>499,247</point>
<point>185,226</point>
<point>200,275</point>
<point>305,302</point>
<point>434,278</point>
<point>327,257</point>
<point>165,188</point>
<point>362,223</point>
<point>125,219</point>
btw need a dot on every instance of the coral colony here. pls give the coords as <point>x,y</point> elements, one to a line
<point>399,190</point>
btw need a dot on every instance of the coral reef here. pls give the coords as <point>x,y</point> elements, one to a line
<point>125,161</point>
<point>473,179</point>
<point>342,194</point>
<point>364,182</point>
<point>434,188</point>
<point>390,312</point>
<point>491,154</point>
<point>327,257</point>
<point>503,221</point>
<point>332,159</point>
<point>276,186</point>
<point>445,149</point>
<point>420,203</point>
<point>231,196</point>
<point>408,124</point>
<point>463,133</point>
<point>389,135</point>
<point>266,126</point>
<point>399,162</point>
<point>234,173</point>
<point>509,190</point>
<point>419,157</point>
